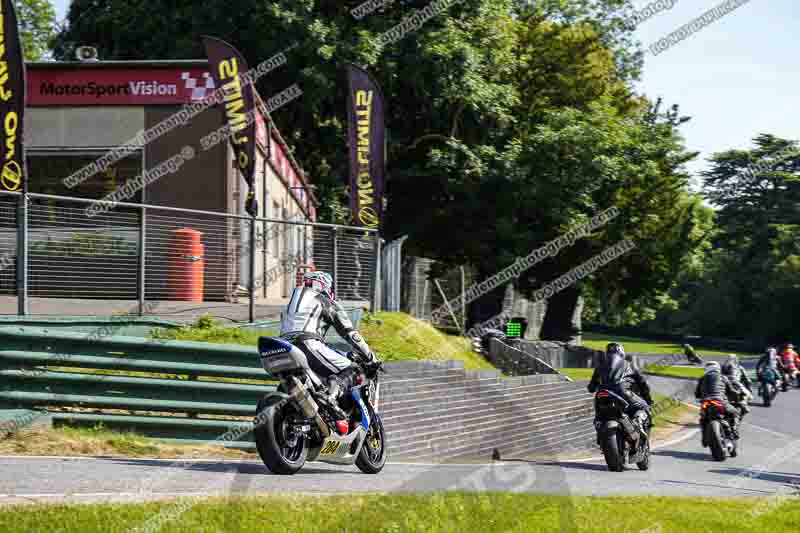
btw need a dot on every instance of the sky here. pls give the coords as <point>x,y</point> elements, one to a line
<point>736,77</point>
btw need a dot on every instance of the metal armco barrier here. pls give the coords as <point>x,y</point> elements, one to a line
<point>41,368</point>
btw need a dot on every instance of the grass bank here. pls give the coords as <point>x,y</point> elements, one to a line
<point>452,512</point>
<point>97,441</point>
<point>577,374</point>
<point>401,337</point>
<point>393,336</point>
<point>675,371</point>
<point>598,341</point>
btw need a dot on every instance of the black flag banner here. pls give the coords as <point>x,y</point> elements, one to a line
<point>12,100</point>
<point>228,68</point>
<point>366,137</point>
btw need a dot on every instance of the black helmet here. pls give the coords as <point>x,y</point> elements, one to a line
<point>727,369</point>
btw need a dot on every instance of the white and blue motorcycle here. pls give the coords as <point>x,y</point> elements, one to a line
<point>296,423</point>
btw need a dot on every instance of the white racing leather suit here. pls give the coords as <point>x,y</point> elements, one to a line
<point>306,320</point>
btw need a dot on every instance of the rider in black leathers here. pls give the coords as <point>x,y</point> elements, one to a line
<point>742,394</point>
<point>716,386</point>
<point>619,375</point>
<point>733,368</point>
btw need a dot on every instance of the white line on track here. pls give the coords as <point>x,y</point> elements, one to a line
<point>779,434</point>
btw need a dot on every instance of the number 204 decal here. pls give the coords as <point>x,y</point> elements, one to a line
<point>330,448</point>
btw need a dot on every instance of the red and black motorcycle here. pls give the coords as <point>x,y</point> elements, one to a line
<point>716,430</point>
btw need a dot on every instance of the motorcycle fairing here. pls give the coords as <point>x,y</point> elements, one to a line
<point>335,449</point>
<point>364,413</point>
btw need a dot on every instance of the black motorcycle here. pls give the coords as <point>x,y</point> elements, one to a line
<point>623,441</point>
<point>716,430</point>
<point>768,389</point>
<point>297,423</point>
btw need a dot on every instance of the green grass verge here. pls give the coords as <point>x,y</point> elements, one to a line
<point>393,336</point>
<point>99,441</point>
<point>401,337</point>
<point>441,512</point>
<point>577,374</point>
<point>598,341</point>
<point>675,371</point>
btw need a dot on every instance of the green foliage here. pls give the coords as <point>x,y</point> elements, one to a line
<point>205,321</point>
<point>509,122</point>
<point>206,330</point>
<point>744,280</point>
<point>36,20</point>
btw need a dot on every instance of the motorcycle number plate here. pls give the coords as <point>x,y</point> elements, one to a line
<point>330,448</point>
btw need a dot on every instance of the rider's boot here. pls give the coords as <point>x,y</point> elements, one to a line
<point>334,389</point>
<point>735,427</point>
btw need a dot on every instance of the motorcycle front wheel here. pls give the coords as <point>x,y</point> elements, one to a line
<point>372,456</point>
<point>281,452</point>
<point>644,464</point>
<point>612,452</point>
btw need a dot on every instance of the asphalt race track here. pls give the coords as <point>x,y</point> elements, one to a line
<point>769,463</point>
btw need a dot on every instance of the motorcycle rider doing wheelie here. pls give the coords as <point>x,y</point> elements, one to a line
<point>715,386</point>
<point>618,374</point>
<point>312,310</point>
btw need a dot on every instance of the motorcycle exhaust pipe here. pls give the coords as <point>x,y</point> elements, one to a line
<point>308,406</point>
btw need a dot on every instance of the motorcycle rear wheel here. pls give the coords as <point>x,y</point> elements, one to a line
<point>714,439</point>
<point>612,452</point>
<point>279,456</point>
<point>766,395</point>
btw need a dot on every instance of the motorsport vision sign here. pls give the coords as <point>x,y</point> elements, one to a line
<point>227,67</point>
<point>366,140</point>
<point>12,101</point>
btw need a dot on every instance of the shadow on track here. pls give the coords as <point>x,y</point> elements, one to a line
<point>689,456</point>
<point>226,467</point>
<point>561,464</point>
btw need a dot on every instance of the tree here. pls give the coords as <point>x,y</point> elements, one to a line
<point>509,122</point>
<point>757,193</point>
<point>36,20</point>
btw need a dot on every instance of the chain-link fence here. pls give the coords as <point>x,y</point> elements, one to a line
<point>428,288</point>
<point>143,259</point>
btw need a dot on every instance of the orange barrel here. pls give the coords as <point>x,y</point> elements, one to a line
<point>186,266</point>
<point>302,269</point>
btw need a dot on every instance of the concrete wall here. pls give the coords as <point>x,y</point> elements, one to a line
<point>439,411</point>
<point>515,362</point>
<point>555,354</point>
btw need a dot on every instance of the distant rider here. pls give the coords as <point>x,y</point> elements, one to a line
<point>732,367</point>
<point>715,386</point>
<point>619,375</point>
<point>742,395</point>
<point>789,359</point>
<point>690,354</point>
<point>769,368</point>
<point>311,311</point>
